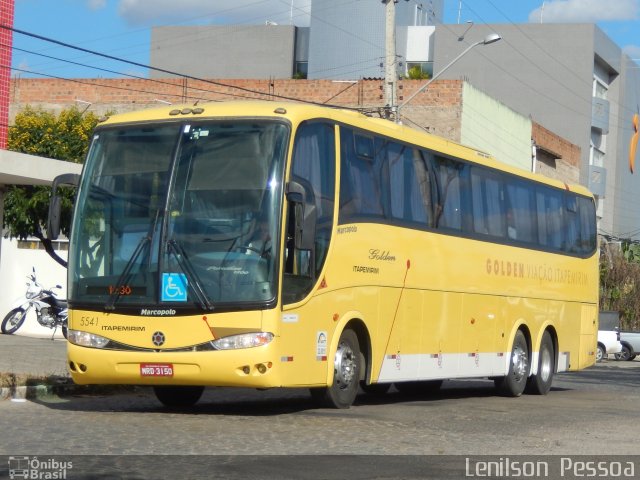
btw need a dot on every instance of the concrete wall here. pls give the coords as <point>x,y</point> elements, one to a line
<point>438,109</point>
<point>624,186</point>
<point>546,71</point>
<point>491,126</point>
<point>348,38</point>
<point>15,266</point>
<point>519,71</point>
<point>224,51</point>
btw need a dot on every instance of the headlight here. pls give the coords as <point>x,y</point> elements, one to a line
<point>86,339</point>
<point>245,340</point>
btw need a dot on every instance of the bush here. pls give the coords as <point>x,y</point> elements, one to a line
<point>41,133</point>
<point>620,284</point>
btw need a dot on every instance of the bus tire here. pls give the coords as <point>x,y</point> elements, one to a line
<point>513,384</point>
<point>178,396</point>
<point>540,383</point>
<point>347,365</point>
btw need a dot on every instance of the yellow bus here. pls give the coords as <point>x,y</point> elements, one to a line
<point>268,244</point>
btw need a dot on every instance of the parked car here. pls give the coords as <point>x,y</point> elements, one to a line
<point>608,336</point>
<point>608,343</point>
<point>630,346</point>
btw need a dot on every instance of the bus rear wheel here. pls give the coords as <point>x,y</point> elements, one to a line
<point>347,365</point>
<point>540,383</point>
<point>513,384</point>
<point>178,396</point>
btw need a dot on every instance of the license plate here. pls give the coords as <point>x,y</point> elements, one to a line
<point>156,370</point>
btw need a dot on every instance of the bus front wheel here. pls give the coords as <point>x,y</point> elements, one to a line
<point>513,384</point>
<point>347,365</point>
<point>178,396</point>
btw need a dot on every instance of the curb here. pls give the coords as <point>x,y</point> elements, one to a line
<point>23,393</point>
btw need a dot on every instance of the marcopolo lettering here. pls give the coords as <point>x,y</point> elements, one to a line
<point>157,312</point>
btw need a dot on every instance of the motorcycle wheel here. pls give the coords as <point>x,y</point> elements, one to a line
<point>64,331</point>
<point>13,320</point>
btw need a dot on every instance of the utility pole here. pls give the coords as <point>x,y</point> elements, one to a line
<point>390,71</point>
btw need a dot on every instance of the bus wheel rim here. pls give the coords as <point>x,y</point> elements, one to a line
<point>345,365</point>
<point>519,363</point>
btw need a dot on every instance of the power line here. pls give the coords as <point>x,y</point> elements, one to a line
<point>545,71</point>
<point>163,82</point>
<point>169,72</point>
<point>73,80</point>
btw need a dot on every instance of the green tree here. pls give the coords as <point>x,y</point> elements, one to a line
<point>620,282</point>
<point>41,133</point>
<point>416,73</point>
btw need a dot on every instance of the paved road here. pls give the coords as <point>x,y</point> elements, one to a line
<point>32,355</point>
<point>586,413</point>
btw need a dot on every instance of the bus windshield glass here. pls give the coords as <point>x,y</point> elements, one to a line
<point>180,215</point>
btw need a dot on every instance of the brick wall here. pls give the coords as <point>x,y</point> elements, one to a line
<point>552,143</point>
<point>6,42</point>
<point>436,110</point>
<point>557,158</point>
<point>130,94</point>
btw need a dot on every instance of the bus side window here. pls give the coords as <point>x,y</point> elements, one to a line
<point>487,193</point>
<point>550,223</point>
<point>406,201</point>
<point>360,194</point>
<point>588,230</point>
<point>581,224</point>
<point>572,221</point>
<point>449,209</point>
<point>521,201</point>
<point>423,166</point>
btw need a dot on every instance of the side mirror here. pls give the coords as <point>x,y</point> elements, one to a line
<point>304,215</point>
<point>53,218</point>
<point>55,205</point>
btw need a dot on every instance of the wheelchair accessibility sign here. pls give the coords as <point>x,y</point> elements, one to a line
<point>174,287</point>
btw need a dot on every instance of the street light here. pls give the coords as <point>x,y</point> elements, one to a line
<point>491,38</point>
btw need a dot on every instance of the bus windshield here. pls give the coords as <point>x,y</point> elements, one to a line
<point>185,215</point>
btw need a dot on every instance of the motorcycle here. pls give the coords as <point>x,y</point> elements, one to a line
<point>51,312</point>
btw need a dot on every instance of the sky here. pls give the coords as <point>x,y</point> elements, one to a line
<point>122,28</point>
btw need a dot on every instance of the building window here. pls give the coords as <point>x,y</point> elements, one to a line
<point>418,70</point>
<point>301,70</point>
<point>598,148</point>
<point>600,88</point>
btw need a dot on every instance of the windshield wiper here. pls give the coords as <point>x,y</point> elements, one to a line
<point>126,273</point>
<point>194,280</point>
<point>124,276</point>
